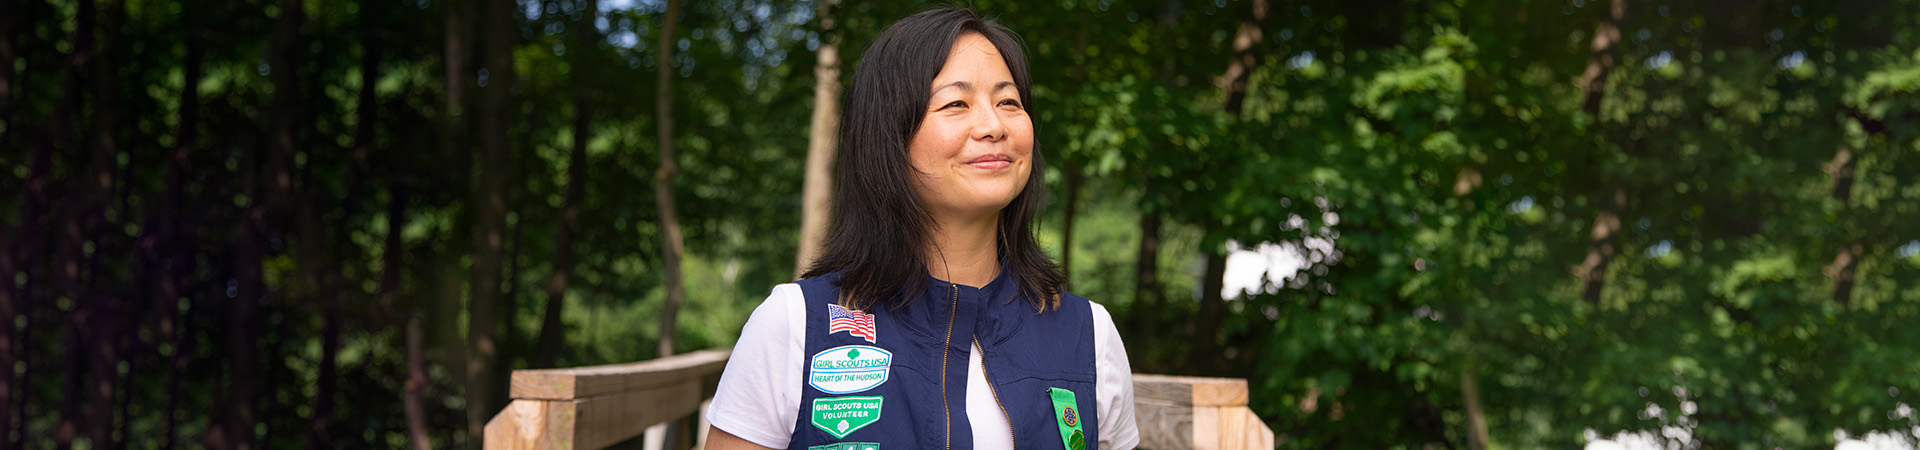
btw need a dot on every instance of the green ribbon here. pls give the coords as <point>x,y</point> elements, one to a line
<point>1067,412</point>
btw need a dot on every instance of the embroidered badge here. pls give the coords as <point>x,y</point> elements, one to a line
<point>855,323</point>
<point>840,416</point>
<point>847,446</point>
<point>849,368</point>
<point>1069,417</point>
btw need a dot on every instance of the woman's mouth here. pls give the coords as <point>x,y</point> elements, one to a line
<point>991,162</point>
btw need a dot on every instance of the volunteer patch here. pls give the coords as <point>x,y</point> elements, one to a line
<point>840,416</point>
<point>849,368</point>
<point>847,446</point>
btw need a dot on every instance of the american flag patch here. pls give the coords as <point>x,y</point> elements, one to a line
<point>855,323</point>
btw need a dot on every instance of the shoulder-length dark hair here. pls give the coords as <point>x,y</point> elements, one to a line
<point>881,229</point>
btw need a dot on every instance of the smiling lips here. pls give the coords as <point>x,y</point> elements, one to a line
<point>991,162</point>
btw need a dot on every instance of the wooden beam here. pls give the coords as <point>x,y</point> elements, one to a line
<point>592,422</point>
<point>610,419</point>
<point>1196,413</point>
<point>589,381</point>
<point>531,425</point>
<point>1190,391</point>
<point>597,406</point>
<point>1240,428</point>
<point>1163,426</point>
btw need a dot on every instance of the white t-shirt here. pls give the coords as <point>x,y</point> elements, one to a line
<point>759,395</point>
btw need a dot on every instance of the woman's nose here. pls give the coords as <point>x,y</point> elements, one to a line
<point>989,126</point>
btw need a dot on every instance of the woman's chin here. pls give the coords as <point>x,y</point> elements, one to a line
<point>995,202</point>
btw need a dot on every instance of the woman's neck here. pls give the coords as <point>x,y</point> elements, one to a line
<point>965,251</point>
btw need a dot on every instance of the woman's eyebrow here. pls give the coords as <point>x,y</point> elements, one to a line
<point>969,86</point>
<point>960,84</point>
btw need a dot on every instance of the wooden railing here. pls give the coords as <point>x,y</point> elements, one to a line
<point>587,408</point>
<point>593,407</point>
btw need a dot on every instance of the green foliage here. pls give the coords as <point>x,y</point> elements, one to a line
<point>1431,163</point>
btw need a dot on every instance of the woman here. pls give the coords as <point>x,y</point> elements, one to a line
<point>932,320</point>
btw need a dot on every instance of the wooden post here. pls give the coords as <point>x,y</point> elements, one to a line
<point>1200,413</point>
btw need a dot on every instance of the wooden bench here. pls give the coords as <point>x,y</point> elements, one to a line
<point>586,408</point>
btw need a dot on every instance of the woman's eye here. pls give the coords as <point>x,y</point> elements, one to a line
<point>956,104</point>
<point>1010,102</point>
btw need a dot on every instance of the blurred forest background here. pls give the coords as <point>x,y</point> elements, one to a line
<point>248,224</point>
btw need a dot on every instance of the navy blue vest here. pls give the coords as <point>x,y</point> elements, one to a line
<point>924,343</point>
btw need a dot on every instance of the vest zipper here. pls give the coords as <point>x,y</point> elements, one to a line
<point>996,393</point>
<point>947,349</point>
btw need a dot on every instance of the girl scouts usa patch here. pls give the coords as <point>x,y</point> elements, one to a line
<point>840,416</point>
<point>849,368</point>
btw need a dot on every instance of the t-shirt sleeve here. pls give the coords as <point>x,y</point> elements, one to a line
<point>1113,384</point>
<point>759,398</point>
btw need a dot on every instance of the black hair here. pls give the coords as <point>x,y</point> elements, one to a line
<point>881,229</point>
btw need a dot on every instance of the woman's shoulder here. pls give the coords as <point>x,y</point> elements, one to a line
<point>777,314</point>
<point>784,293</point>
<point>816,287</point>
<point>1102,319</point>
<point>1071,301</point>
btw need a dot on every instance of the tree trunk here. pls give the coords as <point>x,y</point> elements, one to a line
<point>277,340</point>
<point>7,23</point>
<point>267,203</point>
<point>823,143</point>
<point>174,254</point>
<point>8,85</point>
<point>235,429</point>
<point>392,260</point>
<point>285,70</point>
<point>1477,437</point>
<point>73,365</point>
<point>1606,224</point>
<point>64,271</point>
<point>454,60</point>
<point>1072,167</point>
<point>1206,344</point>
<point>417,431</point>
<point>1075,178</point>
<point>1245,58</point>
<point>1205,353</point>
<point>92,330</point>
<point>10,299</point>
<point>455,57</point>
<point>123,383</point>
<point>10,307</point>
<point>490,216</point>
<point>508,336</point>
<point>324,271</point>
<point>1146,279</point>
<point>663,180</point>
<point>443,332</point>
<point>1841,271</point>
<point>104,326</point>
<point>458,20</point>
<point>552,327</point>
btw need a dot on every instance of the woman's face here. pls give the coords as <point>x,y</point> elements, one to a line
<point>974,148</point>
